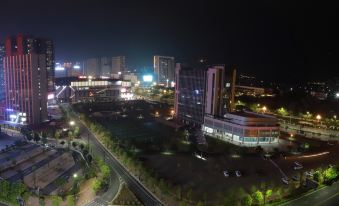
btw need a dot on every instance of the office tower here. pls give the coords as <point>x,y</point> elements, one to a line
<point>25,83</point>
<point>164,69</point>
<point>190,94</point>
<point>118,64</point>
<point>92,67</point>
<point>220,90</point>
<point>215,90</point>
<point>34,45</point>
<point>43,46</point>
<point>2,80</point>
<point>106,66</point>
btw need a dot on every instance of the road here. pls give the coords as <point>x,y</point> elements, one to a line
<point>327,196</point>
<point>146,197</point>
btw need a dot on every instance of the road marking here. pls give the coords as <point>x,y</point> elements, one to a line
<point>305,195</point>
<point>330,197</point>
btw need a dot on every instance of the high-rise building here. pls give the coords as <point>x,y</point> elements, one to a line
<point>30,45</point>
<point>92,67</point>
<point>190,94</point>
<point>25,75</point>
<point>118,64</point>
<point>2,80</point>
<point>164,69</point>
<point>106,66</point>
<point>220,85</point>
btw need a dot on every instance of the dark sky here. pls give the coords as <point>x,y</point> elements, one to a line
<point>272,39</point>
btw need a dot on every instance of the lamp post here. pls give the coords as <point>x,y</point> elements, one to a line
<point>264,108</point>
<point>172,113</point>
<point>318,117</point>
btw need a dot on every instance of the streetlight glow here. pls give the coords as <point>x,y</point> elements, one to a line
<point>72,123</point>
<point>318,117</point>
<point>75,175</point>
<point>264,109</point>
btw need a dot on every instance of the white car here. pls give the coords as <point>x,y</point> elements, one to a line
<point>226,174</point>
<point>297,163</point>
<point>284,180</point>
<point>309,174</point>
<point>237,173</point>
<point>298,167</point>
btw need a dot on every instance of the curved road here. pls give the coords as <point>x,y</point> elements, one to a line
<point>144,195</point>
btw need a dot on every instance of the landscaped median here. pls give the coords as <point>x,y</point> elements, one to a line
<point>157,186</point>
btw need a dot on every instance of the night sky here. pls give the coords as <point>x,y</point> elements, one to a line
<point>272,39</point>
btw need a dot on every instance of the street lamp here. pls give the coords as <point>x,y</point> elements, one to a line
<point>172,113</point>
<point>72,123</point>
<point>318,117</point>
<point>75,175</point>
<point>264,109</point>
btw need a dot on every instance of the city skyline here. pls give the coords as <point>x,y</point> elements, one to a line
<point>260,38</point>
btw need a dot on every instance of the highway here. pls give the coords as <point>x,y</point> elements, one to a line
<point>145,196</point>
<point>327,196</point>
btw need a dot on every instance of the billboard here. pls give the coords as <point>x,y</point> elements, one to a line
<point>147,78</point>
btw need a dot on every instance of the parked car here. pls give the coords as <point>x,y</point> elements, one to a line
<point>298,167</point>
<point>284,180</point>
<point>238,173</point>
<point>297,163</point>
<point>226,174</point>
<point>308,174</point>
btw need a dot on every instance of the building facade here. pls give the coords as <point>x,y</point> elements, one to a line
<point>26,87</point>
<point>190,94</point>
<point>89,89</point>
<point>243,128</point>
<point>164,69</point>
<point>215,91</point>
<point>2,79</point>
<point>118,65</point>
<point>33,45</point>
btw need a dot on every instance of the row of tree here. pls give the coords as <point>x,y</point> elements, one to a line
<point>9,192</point>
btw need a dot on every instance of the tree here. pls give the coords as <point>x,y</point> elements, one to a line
<point>268,195</point>
<point>319,177</point>
<point>200,203</point>
<point>258,197</point>
<point>189,194</point>
<point>178,192</point>
<point>330,173</point>
<point>248,200</point>
<point>70,200</point>
<point>57,135</point>
<point>56,200</point>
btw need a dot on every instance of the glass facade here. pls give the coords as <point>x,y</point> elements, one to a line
<point>190,99</point>
<point>250,135</point>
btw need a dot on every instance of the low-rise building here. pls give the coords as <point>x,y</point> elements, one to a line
<point>243,128</point>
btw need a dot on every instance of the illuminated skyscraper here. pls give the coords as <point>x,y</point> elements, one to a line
<point>118,64</point>
<point>25,83</point>
<point>2,80</point>
<point>164,69</point>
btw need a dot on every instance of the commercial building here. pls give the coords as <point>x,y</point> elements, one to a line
<point>164,69</point>
<point>105,66</point>
<point>244,128</point>
<point>25,83</point>
<point>90,89</point>
<point>92,67</point>
<point>118,65</point>
<point>2,79</point>
<point>33,45</point>
<point>205,98</point>
<point>190,94</point>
